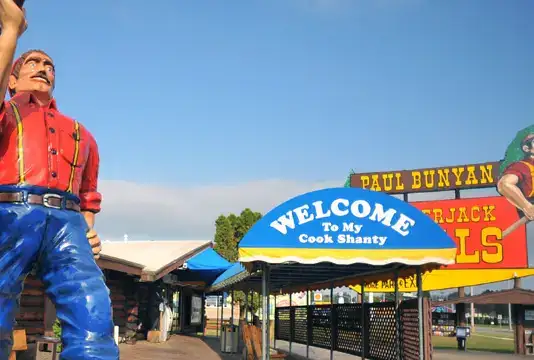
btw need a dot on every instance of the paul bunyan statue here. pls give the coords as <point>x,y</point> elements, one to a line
<point>48,201</point>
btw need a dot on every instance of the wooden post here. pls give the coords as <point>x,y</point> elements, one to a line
<point>460,314</point>
<point>460,308</point>
<point>49,317</point>
<point>519,328</point>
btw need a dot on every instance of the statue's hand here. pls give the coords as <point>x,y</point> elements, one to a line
<point>529,212</point>
<point>94,240</point>
<point>12,17</point>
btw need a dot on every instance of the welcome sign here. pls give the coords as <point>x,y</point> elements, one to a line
<point>347,225</point>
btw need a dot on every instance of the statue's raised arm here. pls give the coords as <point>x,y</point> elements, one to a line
<point>49,199</point>
<point>12,26</point>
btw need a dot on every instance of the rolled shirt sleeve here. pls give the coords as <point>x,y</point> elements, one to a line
<point>90,198</point>
<point>518,169</point>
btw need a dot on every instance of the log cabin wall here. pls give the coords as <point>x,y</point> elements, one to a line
<point>124,300</point>
<point>37,314</point>
<point>135,305</point>
<point>31,314</point>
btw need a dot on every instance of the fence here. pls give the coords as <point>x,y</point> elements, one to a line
<point>341,329</point>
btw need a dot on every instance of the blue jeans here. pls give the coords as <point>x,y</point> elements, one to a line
<point>55,240</point>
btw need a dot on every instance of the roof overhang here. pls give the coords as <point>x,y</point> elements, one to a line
<point>295,277</point>
<point>111,262</point>
<point>116,264</point>
<point>150,276</point>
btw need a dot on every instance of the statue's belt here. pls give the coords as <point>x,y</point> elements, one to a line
<point>49,200</point>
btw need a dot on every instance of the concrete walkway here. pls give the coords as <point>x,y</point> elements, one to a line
<point>177,347</point>
<point>196,348</point>
<point>299,351</point>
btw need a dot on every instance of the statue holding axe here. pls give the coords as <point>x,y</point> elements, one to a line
<point>517,178</point>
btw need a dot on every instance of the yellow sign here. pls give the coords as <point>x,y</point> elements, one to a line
<point>447,279</point>
<point>433,179</point>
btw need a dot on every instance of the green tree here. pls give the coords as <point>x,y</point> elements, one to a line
<point>229,230</point>
<point>224,238</point>
<point>244,223</point>
<point>514,152</point>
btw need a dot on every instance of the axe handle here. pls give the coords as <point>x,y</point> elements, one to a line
<point>514,226</point>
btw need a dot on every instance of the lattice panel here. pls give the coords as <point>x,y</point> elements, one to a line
<point>294,324</point>
<point>283,323</point>
<point>409,330</point>
<point>321,327</point>
<point>349,328</point>
<point>382,332</point>
<point>300,324</point>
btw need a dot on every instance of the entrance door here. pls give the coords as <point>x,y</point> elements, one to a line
<point>175,327</point>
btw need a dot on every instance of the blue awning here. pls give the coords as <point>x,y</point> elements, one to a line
<point>205,266</point>
<point>235,273</point>
<point>208,260</point>
<point>347,226</point>
<point>338,237</point>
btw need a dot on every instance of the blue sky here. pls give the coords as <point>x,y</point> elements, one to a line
<point>201,92</point>
<point>208,107</point>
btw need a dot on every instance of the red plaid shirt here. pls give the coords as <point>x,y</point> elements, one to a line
<point>40,146</point>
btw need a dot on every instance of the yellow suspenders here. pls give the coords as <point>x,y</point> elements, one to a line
<point>531,167</point>
<point>20,145</point>
<point>76,154</point>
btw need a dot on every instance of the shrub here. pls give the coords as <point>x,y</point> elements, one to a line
<point>57,332</point>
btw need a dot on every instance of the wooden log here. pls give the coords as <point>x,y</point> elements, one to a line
<point>33,292</point>
<point>34,282</point>
<point>30,316</point>
<point>119,322</point>
<point>31,301</point>
<point>119,314</point>
<point>114,291</point>
<point>32,328</point>
<point>117,282</point>
<point>31,309</point>
<point>117,297</point>
<point>116,286</point>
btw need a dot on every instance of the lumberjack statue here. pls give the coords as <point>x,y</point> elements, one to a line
<point>48,201</point>
<point>516,182</point>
